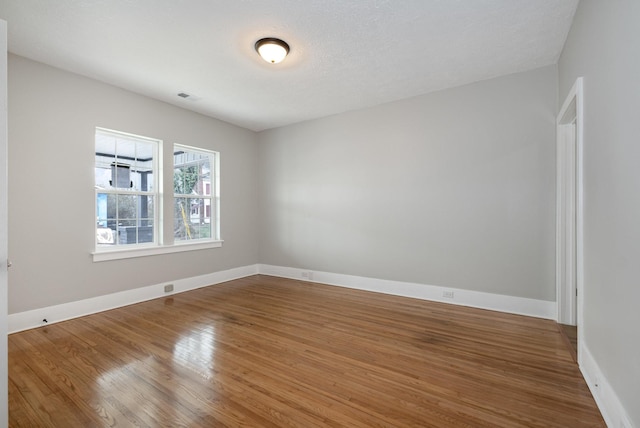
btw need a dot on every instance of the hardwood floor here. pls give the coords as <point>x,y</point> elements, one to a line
<point>570,333</point>
<point>270,352</point>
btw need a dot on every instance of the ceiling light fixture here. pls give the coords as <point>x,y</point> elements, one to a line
<point>272,50</point>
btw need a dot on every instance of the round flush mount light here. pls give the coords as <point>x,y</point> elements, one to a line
<point>272,50</point>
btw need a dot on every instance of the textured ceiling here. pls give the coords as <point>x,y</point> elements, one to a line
<point>345,54</point>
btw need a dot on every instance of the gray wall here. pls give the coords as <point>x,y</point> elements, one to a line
<point>52,120</point>
<point>454,188</point>
<point>603,47</point>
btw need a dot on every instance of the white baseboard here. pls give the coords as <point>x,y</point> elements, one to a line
<point>476,299</point>
<point>614,414</point>
<point>33,318</point>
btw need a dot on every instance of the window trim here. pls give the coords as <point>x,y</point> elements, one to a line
<point>214,195</point>
<point>162,244</point>
<point>156,194</point>
<point>127,253</point>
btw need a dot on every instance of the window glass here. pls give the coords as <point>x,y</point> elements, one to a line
<point>125,181</point>
<point>194,175</point>
<point>127,198</point>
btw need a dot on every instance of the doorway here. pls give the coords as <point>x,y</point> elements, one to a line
<point>569,216</point>
<point>4,264</point>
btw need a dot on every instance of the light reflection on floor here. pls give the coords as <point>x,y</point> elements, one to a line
<point>196,350</point>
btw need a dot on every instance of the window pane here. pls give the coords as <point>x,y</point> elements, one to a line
<point>191,173</point>
<point>194,190</point>
<point>126,232</point>
<point>112,206</point>
<point>101,209</point>
<point>148,202</point>
<point>127,207</point>
<point>178,181</point>
<point>181,226</point>
<point>104,225</point>
<point>105,156</point>
<point>203,231</point>
<point>191,219</point>
<point>142,176</point>
<point>123,164</point>
<point>130,218</point>
<point>105,236</point>
<point>102,174</point>
<point>185,179</point>
<point>145,232</point>
<point>204,176</point>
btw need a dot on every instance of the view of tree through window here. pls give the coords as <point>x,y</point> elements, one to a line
<point>194,181</point>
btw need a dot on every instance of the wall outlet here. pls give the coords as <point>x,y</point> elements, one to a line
<point>447,294</point>
<point>168,288</point>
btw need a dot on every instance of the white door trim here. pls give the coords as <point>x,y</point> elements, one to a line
<point>566,224</point>
<point>569,210</point>
<point>3,229</point>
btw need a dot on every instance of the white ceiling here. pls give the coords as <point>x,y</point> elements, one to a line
<point>345,54</point>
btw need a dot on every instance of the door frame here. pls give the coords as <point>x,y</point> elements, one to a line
<point>566,266</point>
<point>4,263</point>
<point>569,210</point>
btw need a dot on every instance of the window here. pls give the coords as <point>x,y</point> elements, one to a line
<point>126,169</point>
<point>128,200</point>
<point>195,175</point>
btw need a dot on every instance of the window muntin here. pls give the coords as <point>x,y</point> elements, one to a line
<point>126,170</point>
<point>195,188</point>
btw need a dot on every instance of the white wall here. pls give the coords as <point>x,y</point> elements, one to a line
<point>603,47</point>
<point>52,120</point>
<point>454,188</point>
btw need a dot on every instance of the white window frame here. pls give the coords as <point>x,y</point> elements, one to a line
<point>154,193</point>
<point>163,241</point>
<point>214,197</point>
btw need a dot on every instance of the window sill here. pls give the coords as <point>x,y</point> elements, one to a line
<point>105,255</point>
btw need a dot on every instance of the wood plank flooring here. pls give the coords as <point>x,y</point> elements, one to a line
<point>570,333</point>
<point>270,352</point>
